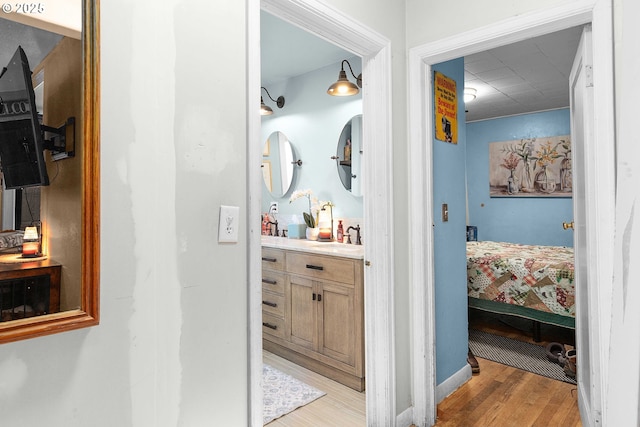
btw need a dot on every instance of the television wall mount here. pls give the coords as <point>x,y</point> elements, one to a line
<point>61,141</point>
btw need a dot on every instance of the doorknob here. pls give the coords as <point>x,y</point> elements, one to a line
<point>567,225</point>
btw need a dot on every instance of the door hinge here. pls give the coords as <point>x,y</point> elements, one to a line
<point>588,73</point>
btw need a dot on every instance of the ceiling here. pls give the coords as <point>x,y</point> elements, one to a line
<point>288,51</point>
<point>528,76</point>
<point>35,42</point>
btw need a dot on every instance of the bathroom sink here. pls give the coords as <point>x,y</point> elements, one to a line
<point>338,247</point>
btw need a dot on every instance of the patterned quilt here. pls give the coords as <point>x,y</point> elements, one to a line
<point>538,277</point>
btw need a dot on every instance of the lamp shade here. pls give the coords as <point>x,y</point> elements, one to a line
<point>265,110</point>
<point>343,87</point>
<point>30,234</point>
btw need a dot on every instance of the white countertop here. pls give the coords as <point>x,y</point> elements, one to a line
<point>323,248</point>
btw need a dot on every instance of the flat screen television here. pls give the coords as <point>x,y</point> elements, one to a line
<point>21,137</point>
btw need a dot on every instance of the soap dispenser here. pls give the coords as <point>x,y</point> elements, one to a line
<point>340,237</point>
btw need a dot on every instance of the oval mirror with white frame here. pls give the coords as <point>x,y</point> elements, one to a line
<point>277,164</point>
<point>349,155</point>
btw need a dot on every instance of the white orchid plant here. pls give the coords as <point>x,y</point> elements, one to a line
<point>314,206</point>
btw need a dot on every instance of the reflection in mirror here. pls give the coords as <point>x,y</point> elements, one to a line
<point>277,164</point>
<point>49,274</point>
<point>349,155</point>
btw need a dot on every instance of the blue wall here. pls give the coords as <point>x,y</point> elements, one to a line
<point>536,221</point>
<point>450,241</point>
<point>313,121</point>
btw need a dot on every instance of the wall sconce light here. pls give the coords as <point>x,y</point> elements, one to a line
<point>469,94</point>
<point>31,243</point>
<point>265,110</point>
<point>343,87</point>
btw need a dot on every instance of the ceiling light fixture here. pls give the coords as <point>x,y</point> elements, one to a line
<point>265,110</point>
<point>469,94</point>
<point>343,87</point>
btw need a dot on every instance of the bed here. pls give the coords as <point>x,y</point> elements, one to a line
<point>11,240</point>
<point>533,282</point>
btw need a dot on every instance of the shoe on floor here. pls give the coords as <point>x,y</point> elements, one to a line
<point>473,362</point>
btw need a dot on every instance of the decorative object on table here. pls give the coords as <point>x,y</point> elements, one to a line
<point>312,233</point>
<point>340,237</point>
<point>311,216</point>
<point>31,243</point>
<point>531,167</point>
<point>296,231</point>
<point>472,233</point>
<point>325,222</point>
<point>282,393</point>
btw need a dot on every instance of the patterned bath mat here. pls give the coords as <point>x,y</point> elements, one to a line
<point>282,393</point>
<point>521,355</point>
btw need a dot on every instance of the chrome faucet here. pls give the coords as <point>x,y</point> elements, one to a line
<point>358,238</point>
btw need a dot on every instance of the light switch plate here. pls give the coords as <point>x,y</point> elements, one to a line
<point>445,212</point>
<point>229,223</point>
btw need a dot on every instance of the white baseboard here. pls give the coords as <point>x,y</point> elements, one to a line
<point>452,383</point>
<point>405,419</point>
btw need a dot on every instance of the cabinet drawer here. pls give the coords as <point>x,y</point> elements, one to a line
<point>272,325</point>
<point>273,303</point>
<point>321,267</point>
<point>273,281</point>
<point>272,259</point>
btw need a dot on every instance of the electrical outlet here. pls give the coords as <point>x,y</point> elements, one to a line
<point>228,224</point>
<point>445,212</point>
<point>273,208</point>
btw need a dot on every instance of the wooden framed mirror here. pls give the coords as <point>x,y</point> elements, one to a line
<point>80,225</point>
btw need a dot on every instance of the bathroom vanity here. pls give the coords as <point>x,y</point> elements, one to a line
<point>313,306</point>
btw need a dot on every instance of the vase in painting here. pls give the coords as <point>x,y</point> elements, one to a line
<point>526,182</point>
<point>545,180</point>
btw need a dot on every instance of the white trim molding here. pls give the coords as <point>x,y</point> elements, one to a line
<point>334,26</point>
<point>421,59</point>
<point>451,384</point>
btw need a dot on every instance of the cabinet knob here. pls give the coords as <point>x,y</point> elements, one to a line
<point>567,225</point>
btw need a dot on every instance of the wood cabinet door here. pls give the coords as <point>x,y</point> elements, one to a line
<point>304,305</point>
<point>336,322</point>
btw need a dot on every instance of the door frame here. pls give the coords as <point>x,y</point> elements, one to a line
<point>601,207</point>
<point>336,27</point>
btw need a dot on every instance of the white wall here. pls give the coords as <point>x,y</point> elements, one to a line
<point>171,348</point>
<point>388,18</point>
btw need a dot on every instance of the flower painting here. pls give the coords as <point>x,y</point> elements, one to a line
<point>531,167</point>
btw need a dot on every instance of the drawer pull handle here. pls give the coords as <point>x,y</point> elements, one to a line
<point>270,282</point>
<point>269,259</point>
<point>270,304</point>
<point>269,325</point>
<point>315,267</point>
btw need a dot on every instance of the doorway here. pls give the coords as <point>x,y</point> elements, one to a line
<point>375,50</point>
<point>421,124</point>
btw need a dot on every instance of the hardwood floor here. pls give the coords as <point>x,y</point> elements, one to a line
<point>500,396</point>
<point>341,406</point>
